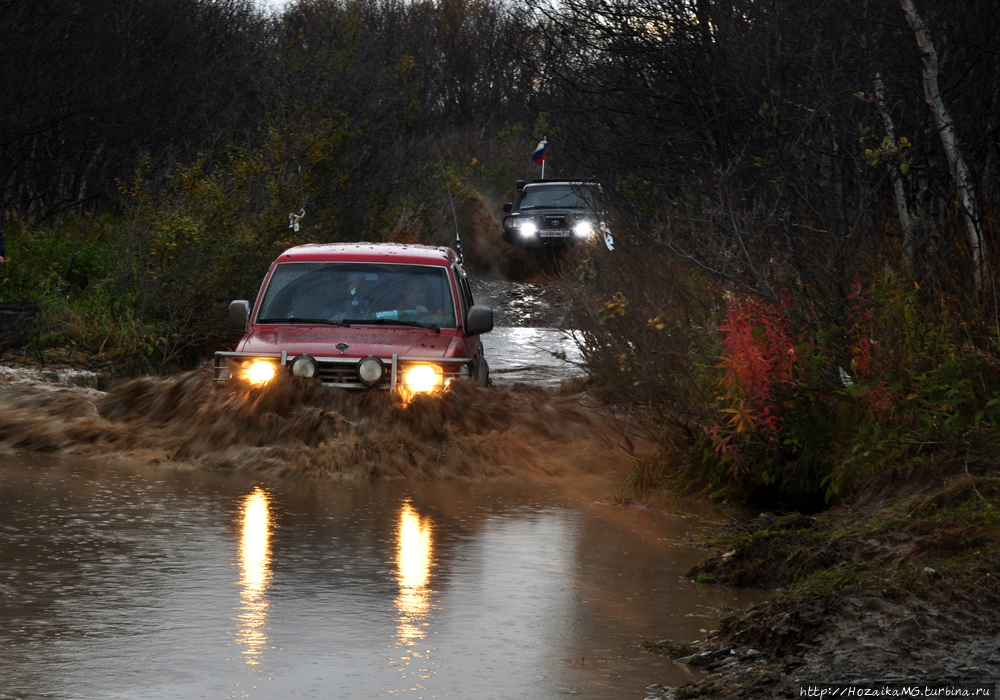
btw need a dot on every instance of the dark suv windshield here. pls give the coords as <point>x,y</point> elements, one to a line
<point>556,197</point>
<point>358,292</point>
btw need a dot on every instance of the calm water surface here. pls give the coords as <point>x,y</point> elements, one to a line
<point>119,581</point>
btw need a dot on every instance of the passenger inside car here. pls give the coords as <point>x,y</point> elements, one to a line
<point>315,298</point>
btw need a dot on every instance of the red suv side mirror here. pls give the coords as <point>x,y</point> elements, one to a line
<point>239,313</point>
<point>479,320</point>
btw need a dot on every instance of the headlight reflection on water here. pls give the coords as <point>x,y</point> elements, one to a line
<point>413,560</point>
<point>255,564</point>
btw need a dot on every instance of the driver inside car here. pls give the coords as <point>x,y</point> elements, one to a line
<point>415,298</point>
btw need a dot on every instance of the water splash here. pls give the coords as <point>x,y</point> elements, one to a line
<point>295,426</point>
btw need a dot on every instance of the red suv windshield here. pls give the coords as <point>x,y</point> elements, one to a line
<point>358,292</point>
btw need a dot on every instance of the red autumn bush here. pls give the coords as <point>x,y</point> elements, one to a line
<point>757,360</point>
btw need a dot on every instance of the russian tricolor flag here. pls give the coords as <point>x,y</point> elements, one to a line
<point>539,154</point>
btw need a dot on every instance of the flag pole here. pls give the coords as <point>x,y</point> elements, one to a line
<point>539,155</point>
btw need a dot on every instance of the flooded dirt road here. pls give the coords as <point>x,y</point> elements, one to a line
<point>531,341</point>
<point>125,581</point>
<point>543,357</point>
<point>158,540</point>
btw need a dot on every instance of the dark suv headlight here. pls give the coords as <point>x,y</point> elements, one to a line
<point>525,225</point>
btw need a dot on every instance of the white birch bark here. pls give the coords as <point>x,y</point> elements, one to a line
<point>946,128</point>
<point>906,218</point>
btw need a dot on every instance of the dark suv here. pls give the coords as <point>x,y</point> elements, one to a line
<point>553,213</point>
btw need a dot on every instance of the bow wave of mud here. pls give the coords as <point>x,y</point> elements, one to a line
<point>294,426</point>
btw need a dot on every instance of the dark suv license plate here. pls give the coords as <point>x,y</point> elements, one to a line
<point>559,233</point>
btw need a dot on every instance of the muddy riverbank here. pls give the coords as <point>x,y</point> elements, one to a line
<point>899,587</point>
<point>863,640</point>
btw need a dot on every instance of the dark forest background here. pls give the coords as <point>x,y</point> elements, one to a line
<point>803,192</point>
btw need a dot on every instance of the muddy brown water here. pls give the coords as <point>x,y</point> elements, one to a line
<point>158,541</point>
<point>126,581</point>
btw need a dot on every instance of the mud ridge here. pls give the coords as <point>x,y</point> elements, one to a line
<point>863,640</point>
<point>898,587</point>
<point>294,426</point>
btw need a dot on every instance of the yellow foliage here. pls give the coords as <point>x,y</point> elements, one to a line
<point>613,307</point>
<point>656,323</point>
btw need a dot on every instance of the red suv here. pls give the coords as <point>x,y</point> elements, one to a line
<point>362,316</point>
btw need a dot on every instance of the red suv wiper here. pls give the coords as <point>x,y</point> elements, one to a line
<point>295,319</point>
<point>397,322</point>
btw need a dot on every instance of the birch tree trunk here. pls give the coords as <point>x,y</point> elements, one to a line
<point>907,219</point>
<point>946,128</point>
